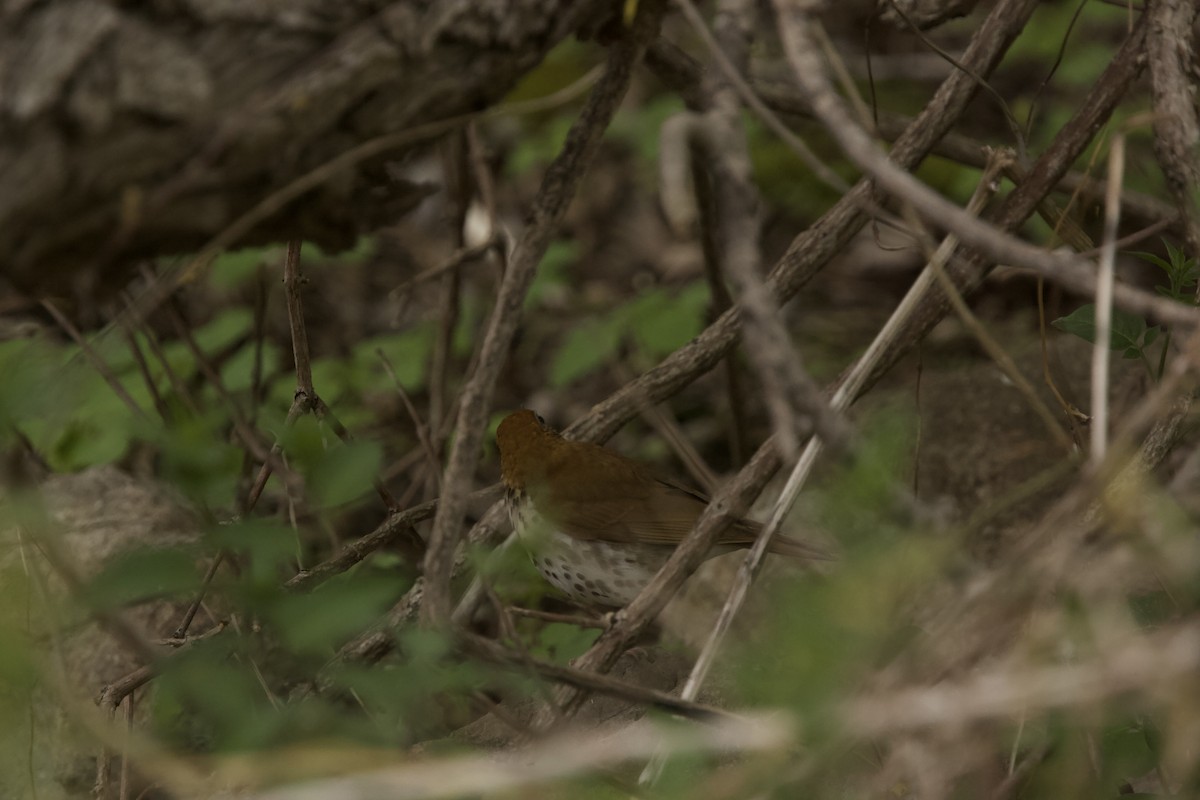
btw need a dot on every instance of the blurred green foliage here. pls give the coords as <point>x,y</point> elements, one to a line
<point>251,687</point>
<point>656,322</point>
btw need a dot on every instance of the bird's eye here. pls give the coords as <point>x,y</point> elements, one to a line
<point>539,418</point>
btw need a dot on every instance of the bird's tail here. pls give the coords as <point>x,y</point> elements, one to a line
<point>794,548</point>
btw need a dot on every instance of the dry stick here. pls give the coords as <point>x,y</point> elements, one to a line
<point>986,237</point>
<point>551,616</point>
<point>986,340</point>
<point>808,252</point>
<point>732,501</point>
<point>806,255</point>
<point>418,425</point>
<point>1006,112</point>
<point>683,167</point>
<point>793,399</point>
<point>1145,660</point>
<point>180,388</point>
<point>458,193</point>
<point>457,259</point>
<point>497,653</point>
<point>997,161</point>
<point>846,393</point>
<point>158,292</point>
<point>306,397</point>
<point>1104,291</point>
<point>302,403</point>
<point>720,300</point>
<point>394,526</point>
<point>558,187</point>
<point>292,281</point>
<point>954,146</point>
<point>733,74</point>
<point>1172,40</point>
<point>668,429</point>
<point>98,363</point>
<point>241,428</point>
<point>139,358</point>
<point>1095,109</point>
<point>515,773</point>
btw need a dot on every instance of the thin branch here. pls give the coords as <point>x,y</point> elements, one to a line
<point>806,255</point>
<point>993,348</point>
<point>1141,661</point>
<point>1171,48</point>
<point>732,501</point>
<point>422,432</point>
<point>292,281</point>
<point>558,187</point>
<point>1104,297</point>
<point>496,653</point>
<point>992,240</point>
<point>793,399</point>
<point>98,362</point>
<point>163,288</point>
<point>516,771</point>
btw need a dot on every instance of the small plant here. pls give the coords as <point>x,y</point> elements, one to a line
<point>1130,334</point>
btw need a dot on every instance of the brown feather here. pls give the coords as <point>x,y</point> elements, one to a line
<point>592,493</point>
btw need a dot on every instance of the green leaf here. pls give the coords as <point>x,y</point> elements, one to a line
<point>1127,329</point>
<point>586,347</point>
<point>268,548</point>
<point>237,372</point>
<point>233,269</point>
<point>662,323</point>
<point>408,352</point>
<point>140,575</point>
<point>552,272</point>
<point>224,329</point>
<point>345,473</point>
<point>319,621</point>
<point>198,458</point>
<point>560,642</point>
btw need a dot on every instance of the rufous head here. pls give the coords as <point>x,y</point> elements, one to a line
<point>525,445</point>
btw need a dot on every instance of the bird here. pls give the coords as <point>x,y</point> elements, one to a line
<point>599,525</point>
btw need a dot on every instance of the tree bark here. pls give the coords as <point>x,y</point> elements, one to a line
<point>141,129</point>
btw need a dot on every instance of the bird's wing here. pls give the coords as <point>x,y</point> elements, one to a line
<point>620,501</point>
<point>615,500</point>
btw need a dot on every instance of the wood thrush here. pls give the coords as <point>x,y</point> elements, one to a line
<point>598,525</point>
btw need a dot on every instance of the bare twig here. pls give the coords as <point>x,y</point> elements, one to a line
<point>807,253</point>
<point>793,399</point>
<point>550,616</point>
<point>668,429</point>
<point>1104,297</point>
<point>684,75</point>
<point>394,526</point>
<point>1143,660</point>
<point>987,237</point>
<point>558,187</point>
<point>139,358</point>
<point>161,289</point>
<point>629,623</point>
<point>422,432</point>
<point>98,363</point>
<point>986,340</point>
<point>732,73</point>
<point>292,281</point>
<point>1171,48</point>
<point>490,650</point>
<point>560,757</point>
